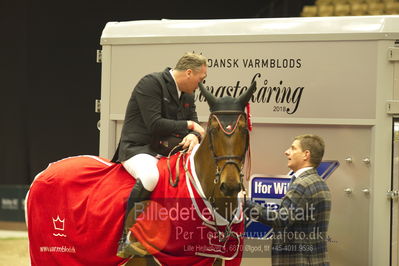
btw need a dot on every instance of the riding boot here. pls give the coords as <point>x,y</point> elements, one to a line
<point>138,194</point>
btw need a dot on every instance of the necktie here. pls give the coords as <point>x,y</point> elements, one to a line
<point>293,177</point>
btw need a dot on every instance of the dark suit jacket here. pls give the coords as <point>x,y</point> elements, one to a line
<point>154,111</point>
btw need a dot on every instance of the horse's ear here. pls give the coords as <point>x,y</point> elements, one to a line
<point>208,96</point>
<point>244,98</point>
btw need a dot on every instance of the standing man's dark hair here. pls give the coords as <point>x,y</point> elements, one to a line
<point>315,145</point>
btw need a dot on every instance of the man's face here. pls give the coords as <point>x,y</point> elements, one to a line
<point>297,158</point>
<point>193,77</point>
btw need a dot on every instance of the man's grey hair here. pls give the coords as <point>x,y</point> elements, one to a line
<point>191,61</point>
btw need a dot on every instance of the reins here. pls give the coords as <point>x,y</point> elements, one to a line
<point>177,168</point>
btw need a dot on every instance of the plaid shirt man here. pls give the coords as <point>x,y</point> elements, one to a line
<point>300,224</point>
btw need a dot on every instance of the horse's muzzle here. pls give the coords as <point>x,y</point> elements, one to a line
<point>230,190</point>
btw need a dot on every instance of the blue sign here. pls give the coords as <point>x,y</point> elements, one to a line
<point>269,187</point>
<point>326,168</point>
<point>269,190</point>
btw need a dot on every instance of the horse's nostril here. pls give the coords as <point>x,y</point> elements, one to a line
<point>223,187</point>
<point>229,190</point>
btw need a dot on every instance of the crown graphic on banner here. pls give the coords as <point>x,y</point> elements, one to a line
<point>58,223</point>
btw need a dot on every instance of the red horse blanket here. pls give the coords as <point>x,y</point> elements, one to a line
<point>75,211</point>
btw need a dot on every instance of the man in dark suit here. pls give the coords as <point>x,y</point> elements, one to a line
<point>300,224</point>
<point>160,111</point>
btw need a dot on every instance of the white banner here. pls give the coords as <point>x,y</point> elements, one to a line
<point>294,79</point>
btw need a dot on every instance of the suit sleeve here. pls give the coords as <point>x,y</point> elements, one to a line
<point>149,99</point>
<point>291,207</point>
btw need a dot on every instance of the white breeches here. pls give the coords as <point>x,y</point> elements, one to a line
<point>144,167</point>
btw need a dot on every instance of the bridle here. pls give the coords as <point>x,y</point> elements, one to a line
<point>233,159</point>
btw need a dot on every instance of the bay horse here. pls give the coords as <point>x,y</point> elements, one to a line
<point>75,207</point>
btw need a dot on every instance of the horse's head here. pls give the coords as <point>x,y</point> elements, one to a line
<point>228,139</point>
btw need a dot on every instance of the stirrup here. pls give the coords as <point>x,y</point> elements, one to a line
<point>124,248</point>
<point>128,249</point>
<point>139,249</point>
